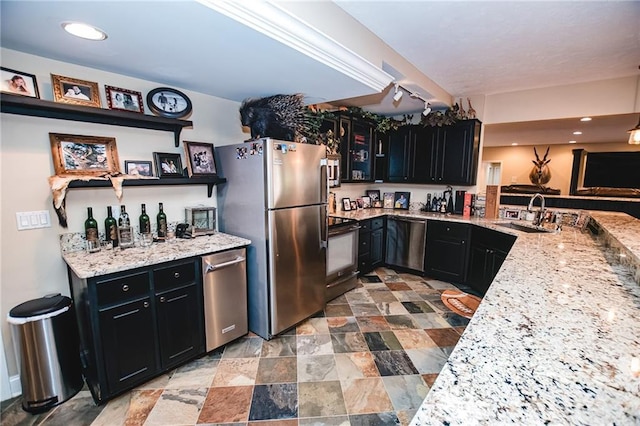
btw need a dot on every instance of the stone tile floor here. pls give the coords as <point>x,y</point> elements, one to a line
<point>368,359</point>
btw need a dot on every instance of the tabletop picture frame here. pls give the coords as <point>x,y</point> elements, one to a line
<point>168,164</point>
<point>388,200</point>
<point>123,99</point>
<point>138,168</point>
<point>200,159</point>
<point>69,90</point>
<point>18,83</point>
<point>84,155</point>
<point>401,200</point>
<point>346,204</point>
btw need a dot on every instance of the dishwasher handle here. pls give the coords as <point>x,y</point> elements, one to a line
<point>211,268</point>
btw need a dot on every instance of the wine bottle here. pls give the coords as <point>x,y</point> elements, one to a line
<point>427,207</point>
<point>91,226</point>
<point>161,220</point>
<point>145,223</point>
<point>125,236</point>
<point>110,228</point>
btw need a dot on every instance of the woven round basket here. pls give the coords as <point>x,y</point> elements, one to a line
<point>463,304</point>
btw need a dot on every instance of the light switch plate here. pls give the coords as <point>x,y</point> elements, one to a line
<point>33,220</point>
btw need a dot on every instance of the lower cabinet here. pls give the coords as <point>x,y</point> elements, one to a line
<point>447,250</point>
<point>137,324</point>
<point>489,249</point>
<point>371,244</point>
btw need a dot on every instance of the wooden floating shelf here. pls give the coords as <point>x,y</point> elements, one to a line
<point>98,183</point>
<point>24,105</point>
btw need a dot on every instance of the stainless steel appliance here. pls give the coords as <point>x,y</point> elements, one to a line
<point>275,196</point>
<point>342,256</point>
<point>406,243</point>
<point>224,277</point>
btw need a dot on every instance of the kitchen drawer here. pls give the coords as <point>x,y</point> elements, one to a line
<point>174,276</point>
<point>365,225</point>
<point>448,230</point>
<point>377,223</point>
<point>122,289</point>
<point>364,241</point>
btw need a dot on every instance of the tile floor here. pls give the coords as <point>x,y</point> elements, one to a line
<point>368,359</point>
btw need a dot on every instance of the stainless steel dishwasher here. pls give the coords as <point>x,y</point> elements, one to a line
<point>406,243</point>
<point>224,277</point>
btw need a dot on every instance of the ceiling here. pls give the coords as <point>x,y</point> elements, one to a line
<point>466,48</point>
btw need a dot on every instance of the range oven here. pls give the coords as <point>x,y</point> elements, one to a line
<point>342,256</point>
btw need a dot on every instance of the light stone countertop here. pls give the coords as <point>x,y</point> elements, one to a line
<point>556,339</point>
<point>87,265</point>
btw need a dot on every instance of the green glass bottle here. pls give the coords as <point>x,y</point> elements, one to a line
<point>91,226</point>
<point>145,223</point>
<point>110,228</point>
<point>161,220</point>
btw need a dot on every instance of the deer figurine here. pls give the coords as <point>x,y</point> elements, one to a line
<point>540,173</point>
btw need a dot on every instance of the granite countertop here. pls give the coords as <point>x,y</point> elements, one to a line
<point>556,339</point>
<point>87,265</point>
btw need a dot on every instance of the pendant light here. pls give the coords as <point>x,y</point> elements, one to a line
<point>634,135</point>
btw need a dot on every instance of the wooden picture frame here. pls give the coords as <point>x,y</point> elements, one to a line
<point>18,83</point>
<point>84,155</point>
<point>200,159</point>
<point>168,165</point>
<point>68,90</point>
<point>123,99</point>
<point>346,204</point>
<point>401,200</point>
<point>138,168</point>
<point>167,102</point>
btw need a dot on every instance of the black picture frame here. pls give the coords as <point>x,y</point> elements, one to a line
<point>168,165</point>
<point>138,168</point>
<point>200,159</point>
<point>167,102</point>
<point>401,200</point>
<point>373,194</point>
<point>10,83</point>
<point>346,204</point>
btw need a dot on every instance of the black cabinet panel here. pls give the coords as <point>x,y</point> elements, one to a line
<point>371,244</point>
<point>447,250</point>
<point>489,249</point>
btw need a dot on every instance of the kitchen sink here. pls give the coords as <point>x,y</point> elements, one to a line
<point>524,227</point>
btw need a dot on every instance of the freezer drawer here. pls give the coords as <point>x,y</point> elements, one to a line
<point>224,277</point>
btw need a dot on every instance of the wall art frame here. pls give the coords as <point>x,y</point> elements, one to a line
<point>168,102</point>
<point>69,90</point>
<point>168,165</point>
<point>18,83</point>
<point>124,99</point>
<point>138,168</point>
<point>84,155</point>
<point>200,159</point>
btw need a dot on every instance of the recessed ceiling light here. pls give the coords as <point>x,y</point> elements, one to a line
<point>85,31</point>
<point>572,141</point>
<point>577,132</point>
<point>585,119</point>
<point>514,144</point>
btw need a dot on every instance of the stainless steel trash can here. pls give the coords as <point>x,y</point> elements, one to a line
<point>45,336</point>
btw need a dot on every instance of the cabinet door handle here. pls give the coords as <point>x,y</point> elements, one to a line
<point>462,241</point>
<point>176,275</point>
<point>125,287</point>
<point>145,304</point>
<point>162,299</point>
<point>448,229</point>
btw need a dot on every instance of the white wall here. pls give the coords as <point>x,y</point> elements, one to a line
<point>30,262</point>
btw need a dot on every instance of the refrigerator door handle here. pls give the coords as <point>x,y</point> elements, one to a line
<point>324,181</point>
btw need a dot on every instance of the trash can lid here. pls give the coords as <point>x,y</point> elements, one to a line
<point>41,306</point>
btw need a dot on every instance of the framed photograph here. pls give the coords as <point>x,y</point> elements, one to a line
<point>376,204</point>
<point>401,200</point>
<point>373,194</point>
<point>123,99</point>
<point>354,205</point>
<point>201,160</point>
<point>19,83</point>
<point>388,200</point>
<point>512,214</point>
<point>138,168</point>
<point>167,102</point>
<point>168,165</point>
<point>366,202</point>
<point>360,203</point>
<point>84,155</point>
<point>69,90</point>
<point>346,204</point>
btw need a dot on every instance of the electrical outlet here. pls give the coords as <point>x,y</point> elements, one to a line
<point>33,220</point>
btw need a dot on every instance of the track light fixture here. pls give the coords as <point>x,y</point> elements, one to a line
<point>634,135</point>
<point>398,95</point>
<point>427,108</point>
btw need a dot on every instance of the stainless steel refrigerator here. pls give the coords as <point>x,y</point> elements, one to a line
<point>276,195</point>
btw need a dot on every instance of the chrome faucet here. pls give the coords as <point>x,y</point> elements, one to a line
<point>540,217</point>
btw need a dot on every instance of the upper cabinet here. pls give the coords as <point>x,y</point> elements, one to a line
<point>445,155</point>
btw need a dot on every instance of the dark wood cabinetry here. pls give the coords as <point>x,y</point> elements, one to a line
<point>137,324</point>
<point>371,244</point>
<point>488,251</point>
<point>357,136</point>
<point>447,250</point>
<point>439,155</point>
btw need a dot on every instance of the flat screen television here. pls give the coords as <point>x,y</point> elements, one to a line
<point>612,170</point>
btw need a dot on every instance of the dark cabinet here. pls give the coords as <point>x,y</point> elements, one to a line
<point>447,250</point>
<point>488,251</point>
<point>371,244</point>
<point>137,324</point>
